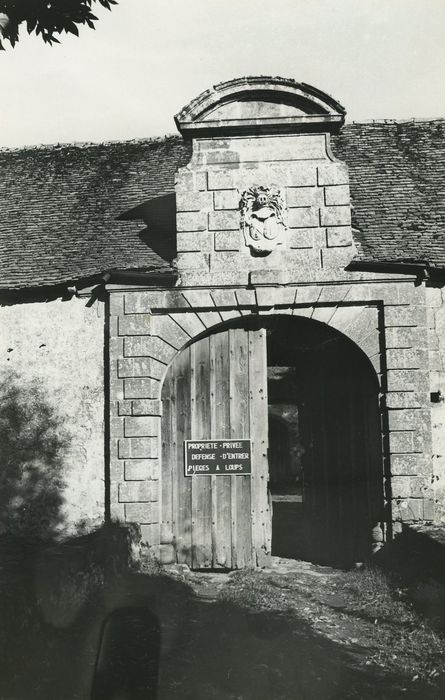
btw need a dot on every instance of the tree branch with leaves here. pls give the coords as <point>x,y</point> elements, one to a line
<point>47,18</point>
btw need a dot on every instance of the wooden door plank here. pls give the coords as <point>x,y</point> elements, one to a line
<point>240,428</point>
<point>258,417</point>
<point>220,428</point>
<point>182,371</point>
<point>168,461</point>
<point>201,485</point>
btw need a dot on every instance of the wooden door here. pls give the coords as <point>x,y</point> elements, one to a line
<point>217,388</point>
<point>343,473</point>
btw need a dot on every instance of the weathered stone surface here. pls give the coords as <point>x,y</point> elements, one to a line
<point>224,221</point>
<point>167,554</point>
<point>141,388</point>
<point>210,318</point>
<point>229,315</point>
<point>339,236</point>
<point>226,199</point>
<point>265,297</point>
<point>234,150</point>
<point>116,389</point>
<point>229,261</point>
<point>115,345</point>
<point>435,360</point>
<point>228,240</point>
<point>141,469</point>
<point>303,217</point>
<point>408,487</point>
<point>52,355</point>
<point>422,438</point>
<point>304,196</point>
<point>408,337</point>
<point>191,221</point>
<point>116,426</point>
<point>138,448</point>
<point>138,491</point>
<point>150,535</point>
<point>141,426</point>
<point>151,346</point>
<point>307,294</point>
<point>404,419</point>
<point>146,407</point>
<point>404,316</point>
<point>337,195</point>
<point>333,174</point>
<point>410,294</point>
<point>407,464</point>
<point>193,261</point>
<point>193,278</point>
<point>403,379</point>
<point>224,298</point>
<point>338,293</point>
<point>301,238</point>
<point>207,241</point>
<point>142,302</point>
<point>403,399</point>
<point>189,241</point>
<point>124,408</point>
<point>143,513</point>
<point>337,258</point>
<point>283,296</point>
<point>322,313</point>
<point>335,216</point>
<point>405,358</point>
<point>184,179</point>
<point>189,201</point>
<point>408,509</point>
<point>168,330</point>
<point>201,180</point>
<point>197,298</point>
<point>245,297</point>
<point>141,367</point>
<point>134,324</point>
<point>189,322</point>
<point>116,304</point>
<point>221,180</point>
<point>401,442</point>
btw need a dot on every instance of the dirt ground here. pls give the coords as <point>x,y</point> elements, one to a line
<point>298,631</point>
<point>295,631</point>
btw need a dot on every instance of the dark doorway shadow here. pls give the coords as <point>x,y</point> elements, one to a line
<point>331,495</point>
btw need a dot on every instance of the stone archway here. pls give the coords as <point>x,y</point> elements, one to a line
<point>217,387</point>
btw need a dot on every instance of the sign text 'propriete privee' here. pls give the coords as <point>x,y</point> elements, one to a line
<point>217,457</point>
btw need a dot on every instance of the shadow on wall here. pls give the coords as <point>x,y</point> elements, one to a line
<point>33,443</point>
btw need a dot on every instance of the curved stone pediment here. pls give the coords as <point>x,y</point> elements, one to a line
<point>260,105</point>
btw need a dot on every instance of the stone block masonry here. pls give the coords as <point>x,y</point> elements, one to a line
<point>316,194</point>
<point>372,314</point>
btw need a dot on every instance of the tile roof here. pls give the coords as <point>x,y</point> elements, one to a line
<point>59,209</point>
<point>71,212</point>
<point>397,180</point>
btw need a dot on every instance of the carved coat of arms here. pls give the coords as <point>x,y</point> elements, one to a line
<point>262,218</point>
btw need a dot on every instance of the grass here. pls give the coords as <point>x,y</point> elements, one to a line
<point>365,610</point>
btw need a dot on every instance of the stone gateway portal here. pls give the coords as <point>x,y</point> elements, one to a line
<point>311,488</point>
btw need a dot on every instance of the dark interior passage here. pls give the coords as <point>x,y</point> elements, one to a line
<point>325,466</point>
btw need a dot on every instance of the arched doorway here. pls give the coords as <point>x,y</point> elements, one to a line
<point>331,496</point>
<point>307,398</point>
